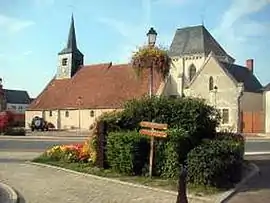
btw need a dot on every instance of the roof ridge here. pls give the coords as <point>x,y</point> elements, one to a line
<point>191,26</point>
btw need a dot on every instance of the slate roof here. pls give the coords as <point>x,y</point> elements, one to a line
<point>102,86</point>
<point>71,43</point>
<point>17,96</point>
<point>242,74</point>
<point>266,87</point>
<point>195,40</point>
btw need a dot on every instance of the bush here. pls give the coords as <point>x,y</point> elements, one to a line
<point>171,153</point>
<point>215,163</point>
<point>193,115</point>
<point>127,152</point>
<point>15,131</point>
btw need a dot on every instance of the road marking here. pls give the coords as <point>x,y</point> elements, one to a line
<point>257,153</point>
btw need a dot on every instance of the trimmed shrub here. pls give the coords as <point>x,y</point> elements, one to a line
<point>215,163</point>
<point>15,131</point>
<point>127,152</point>
<point>171,153</point>
<point>191,114</point>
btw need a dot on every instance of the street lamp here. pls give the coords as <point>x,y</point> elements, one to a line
<point>152,36</point>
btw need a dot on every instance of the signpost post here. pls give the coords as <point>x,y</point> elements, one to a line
<point>154,130</point>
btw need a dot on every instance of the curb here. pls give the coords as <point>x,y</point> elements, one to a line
<point>257,153</point>
<point>227,195</point>
<point>13,197</point>
<point>118,181</point>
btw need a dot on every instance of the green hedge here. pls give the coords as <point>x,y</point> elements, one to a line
<point>193,115</point>
<point>216,163</point>
<point>171,153</point>
<point>127,152</point>
<point>15,131</point>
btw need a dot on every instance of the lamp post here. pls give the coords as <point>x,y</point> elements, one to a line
<point>152,36</point>
<point>79,103</point>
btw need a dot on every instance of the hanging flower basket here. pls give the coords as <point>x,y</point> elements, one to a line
<point>147,56</point>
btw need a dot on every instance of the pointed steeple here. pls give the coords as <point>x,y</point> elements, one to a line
<point>72,44</point>
<point>70,59</point>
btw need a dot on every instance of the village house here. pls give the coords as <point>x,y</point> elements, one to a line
<point>200,68</point>
<point>15,101</point>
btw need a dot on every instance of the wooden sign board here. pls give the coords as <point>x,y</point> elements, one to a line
<point>153,133</point>
<point>158,126</point>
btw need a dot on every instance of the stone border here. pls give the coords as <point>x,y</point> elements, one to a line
<point>229,194</point>
<point>118,181</point>
<point>13,197</point>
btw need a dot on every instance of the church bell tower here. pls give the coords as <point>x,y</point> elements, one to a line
<point>70,58</point>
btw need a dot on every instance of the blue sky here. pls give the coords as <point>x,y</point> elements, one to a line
<point>34,31</point>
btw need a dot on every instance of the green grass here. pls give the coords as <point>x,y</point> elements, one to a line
<point>156,182</point>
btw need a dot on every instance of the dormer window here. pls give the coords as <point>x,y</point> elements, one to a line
<point>64,61</point>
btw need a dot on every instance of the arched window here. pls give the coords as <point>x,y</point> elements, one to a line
<point>211,83</point>
<point>192,72</point>
<point>67,114</point>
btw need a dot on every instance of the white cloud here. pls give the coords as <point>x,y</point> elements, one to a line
<point>13,25</point>
<point>235,28</point>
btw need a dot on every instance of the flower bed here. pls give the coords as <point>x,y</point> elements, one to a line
<point>84,152</point>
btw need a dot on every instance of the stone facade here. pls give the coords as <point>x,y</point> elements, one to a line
<point>225,98</point>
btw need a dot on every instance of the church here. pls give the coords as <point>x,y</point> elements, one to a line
<point>200,67</point>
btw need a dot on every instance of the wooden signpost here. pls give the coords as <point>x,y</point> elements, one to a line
<point>154,130</point>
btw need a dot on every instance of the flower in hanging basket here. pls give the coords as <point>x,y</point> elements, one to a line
<point>148,56</point>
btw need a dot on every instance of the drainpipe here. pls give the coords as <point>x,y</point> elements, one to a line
<point>239,97</point>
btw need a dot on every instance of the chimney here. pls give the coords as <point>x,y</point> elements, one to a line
<point>250,64</point>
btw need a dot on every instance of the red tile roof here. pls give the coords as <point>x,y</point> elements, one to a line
<point>100,86</point>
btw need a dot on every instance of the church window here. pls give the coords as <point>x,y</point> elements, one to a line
<point>64,61</point>
<point>225,116</point>
<point>50,113</point>
<point>92,113</point>
<point>67,113</point>
<point>211,83</point>
<point>192,72</point>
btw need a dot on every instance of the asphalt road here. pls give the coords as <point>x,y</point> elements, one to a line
<point>257,146</point>
<point>33,144</point>
<point>257,190</point>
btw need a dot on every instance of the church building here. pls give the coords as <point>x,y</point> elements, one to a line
<point>200,67</point>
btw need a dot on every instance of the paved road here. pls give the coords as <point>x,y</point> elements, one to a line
<point>257,190</point>
<point>49,185</point>
<point>29,144</point>
<point>257,145</point>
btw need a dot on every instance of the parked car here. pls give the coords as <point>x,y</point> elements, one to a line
<point>39,123</point>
